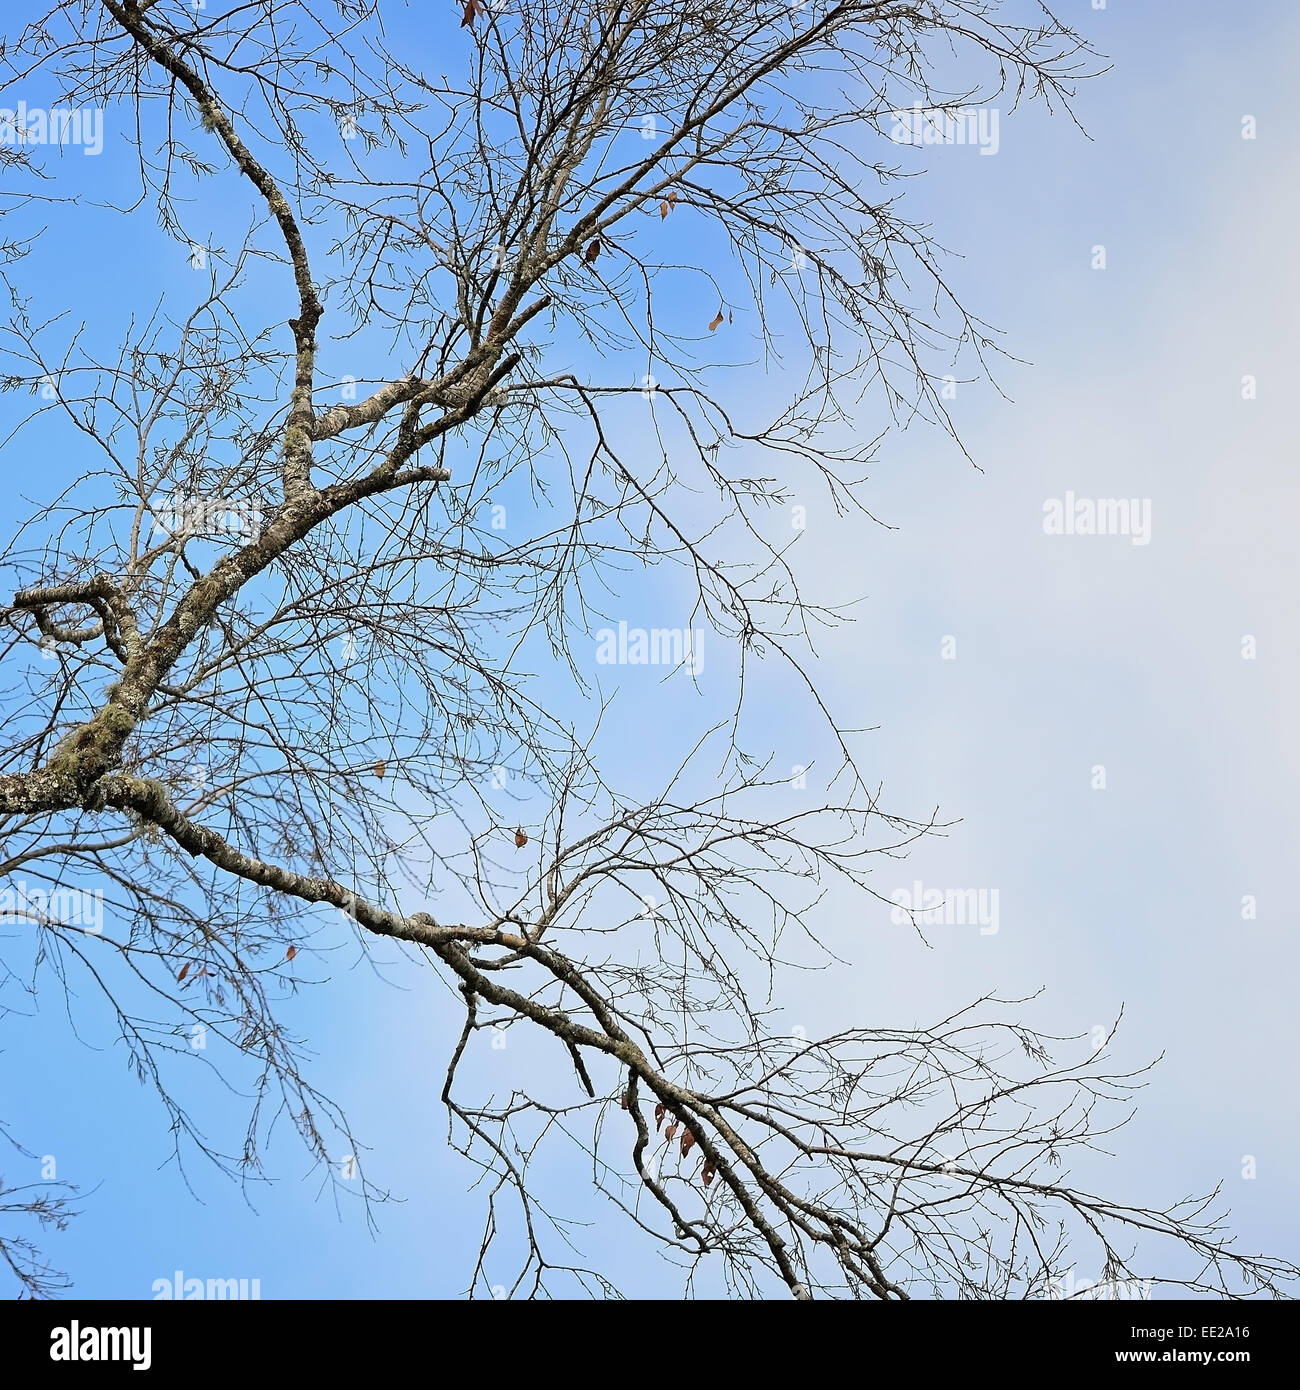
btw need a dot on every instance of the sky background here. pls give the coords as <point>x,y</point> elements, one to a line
<point>1072,652</point>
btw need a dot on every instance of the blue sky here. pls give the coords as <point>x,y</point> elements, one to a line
<point>1072,652</point>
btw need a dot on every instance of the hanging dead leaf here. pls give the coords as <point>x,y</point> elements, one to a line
<point>202,973</point>
<point>473,8</point>
<point>521,839</point>
<point>688,1143</point>
<point>731,318</point>
<point>623,1099</point>
<point>290,953</point>
<point>592,251</point>
<point>708,1173</point>
<point>380,768</point>
<point>185,970</point>
<point>716,322</point>
<point>670,1131</point>
<point>668,204</point>
<point>659,1114</point>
